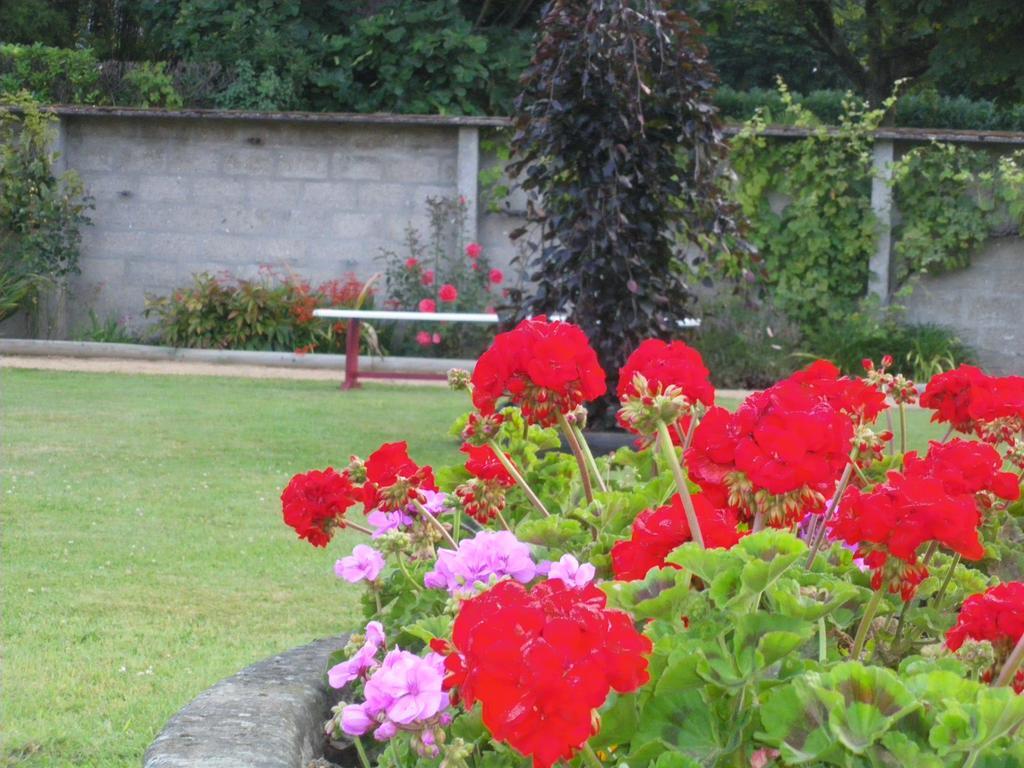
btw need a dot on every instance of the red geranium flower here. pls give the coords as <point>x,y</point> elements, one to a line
<point>950,394</point>
<point>666,364</point>
<point>780,454</point>
<point>656,532</point>
<point>393,480</point>
<point>541,661</point>
<point>545,368</point>
<point>854,397</point>
<point>314,504</point>
<point>965,467</point>
<point>483,464</point>
<point>448,293</point>
<point>889,525</point>
<point>996,615</point>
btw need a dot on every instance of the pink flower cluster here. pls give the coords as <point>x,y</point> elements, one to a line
<point>490,555</point>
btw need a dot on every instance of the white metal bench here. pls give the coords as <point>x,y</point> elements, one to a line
<point>355,315</point>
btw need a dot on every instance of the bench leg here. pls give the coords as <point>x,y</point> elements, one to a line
<point>351,356</point>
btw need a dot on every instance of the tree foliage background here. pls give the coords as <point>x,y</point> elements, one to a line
<point>465,56</point>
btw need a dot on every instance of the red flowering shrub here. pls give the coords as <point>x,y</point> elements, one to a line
<point>780,454</point>
<point>854,397</point>
<point>314,504</point>
<point>544,367</point>
<point>656,532</point>
<point>393,479</point>
<point>483,496</point>
<point>996,615</point>
<point>540,661</point>
<point>950,395</point>
<point>890,523</point>
<point>965,467</point>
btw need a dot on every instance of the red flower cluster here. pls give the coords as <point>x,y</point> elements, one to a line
<point>856,398</point>
<point>996,615</point>
<point>667,364</point>
<point>889,525</point>
<point>393,479</point>
<point>483,464</point>
<point>541,661</point>
<point>546,368</point>
<point>780,454</point>
<point>965,468</point>
<point>448,293</point>
<point>656,532</point>
<point>970,400</point>
<point>314,504</point>
<point>674,373</point>
<point>483,497</point>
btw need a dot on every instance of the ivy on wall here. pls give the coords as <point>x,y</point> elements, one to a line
<point>808,204</point>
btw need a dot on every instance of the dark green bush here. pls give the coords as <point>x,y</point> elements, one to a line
<point>41,214</point>
<point>918,350</point>
<point>50,75</point>
<point>745,342</point>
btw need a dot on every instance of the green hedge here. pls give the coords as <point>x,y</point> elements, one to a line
<point>50,75</point>
<point>914,110</point>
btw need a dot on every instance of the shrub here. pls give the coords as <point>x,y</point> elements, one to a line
<point>49,75</point>
<point>919,351</point>
<point>419,275</point>
<point>41,214</point>
<point>272,312</point>
<point>150,85</point>
<point>780,592</point>
<point>746,343</point>
<point>420,56</point>
<point>616,134</point>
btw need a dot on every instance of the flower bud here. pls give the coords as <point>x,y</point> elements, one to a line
<point>458,379</point>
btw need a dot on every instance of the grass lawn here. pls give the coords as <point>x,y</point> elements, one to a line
<point>143,556</point>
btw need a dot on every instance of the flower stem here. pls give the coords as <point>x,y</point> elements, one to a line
<point>589,455</point>
<point>820,531</point>
<point>869,616</point>
<point>669,452</point>
<point>949,433</point>
<point>581,462</point>
<point>358,527</point>
<point>591,759</point>
<point>503,521</point>
<point>520,480</point>
<point>435,522</point>
<point>903,428</point>
<point>937,600</point>
<point>363,759</point>
<point>1013,663</point>
<point>408,576</point>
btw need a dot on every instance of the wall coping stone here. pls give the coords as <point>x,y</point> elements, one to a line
<point>269,715</point>
<point>373,118</point>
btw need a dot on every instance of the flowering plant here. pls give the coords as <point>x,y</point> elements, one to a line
<point>442,273</point>
<point>784,584</point>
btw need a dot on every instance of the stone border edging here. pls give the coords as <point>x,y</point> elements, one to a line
<point>269,715</point>
<point>93,349</point>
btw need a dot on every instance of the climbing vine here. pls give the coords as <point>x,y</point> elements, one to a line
<point>808,204</point>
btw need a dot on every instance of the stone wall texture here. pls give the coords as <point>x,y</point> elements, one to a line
<point>181,194</point>
<point>178,196</point>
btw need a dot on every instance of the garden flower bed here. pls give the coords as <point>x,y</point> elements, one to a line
<point>781,585</point>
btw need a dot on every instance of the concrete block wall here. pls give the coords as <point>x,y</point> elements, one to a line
<point>179,195</point>
<point>981,303</point>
